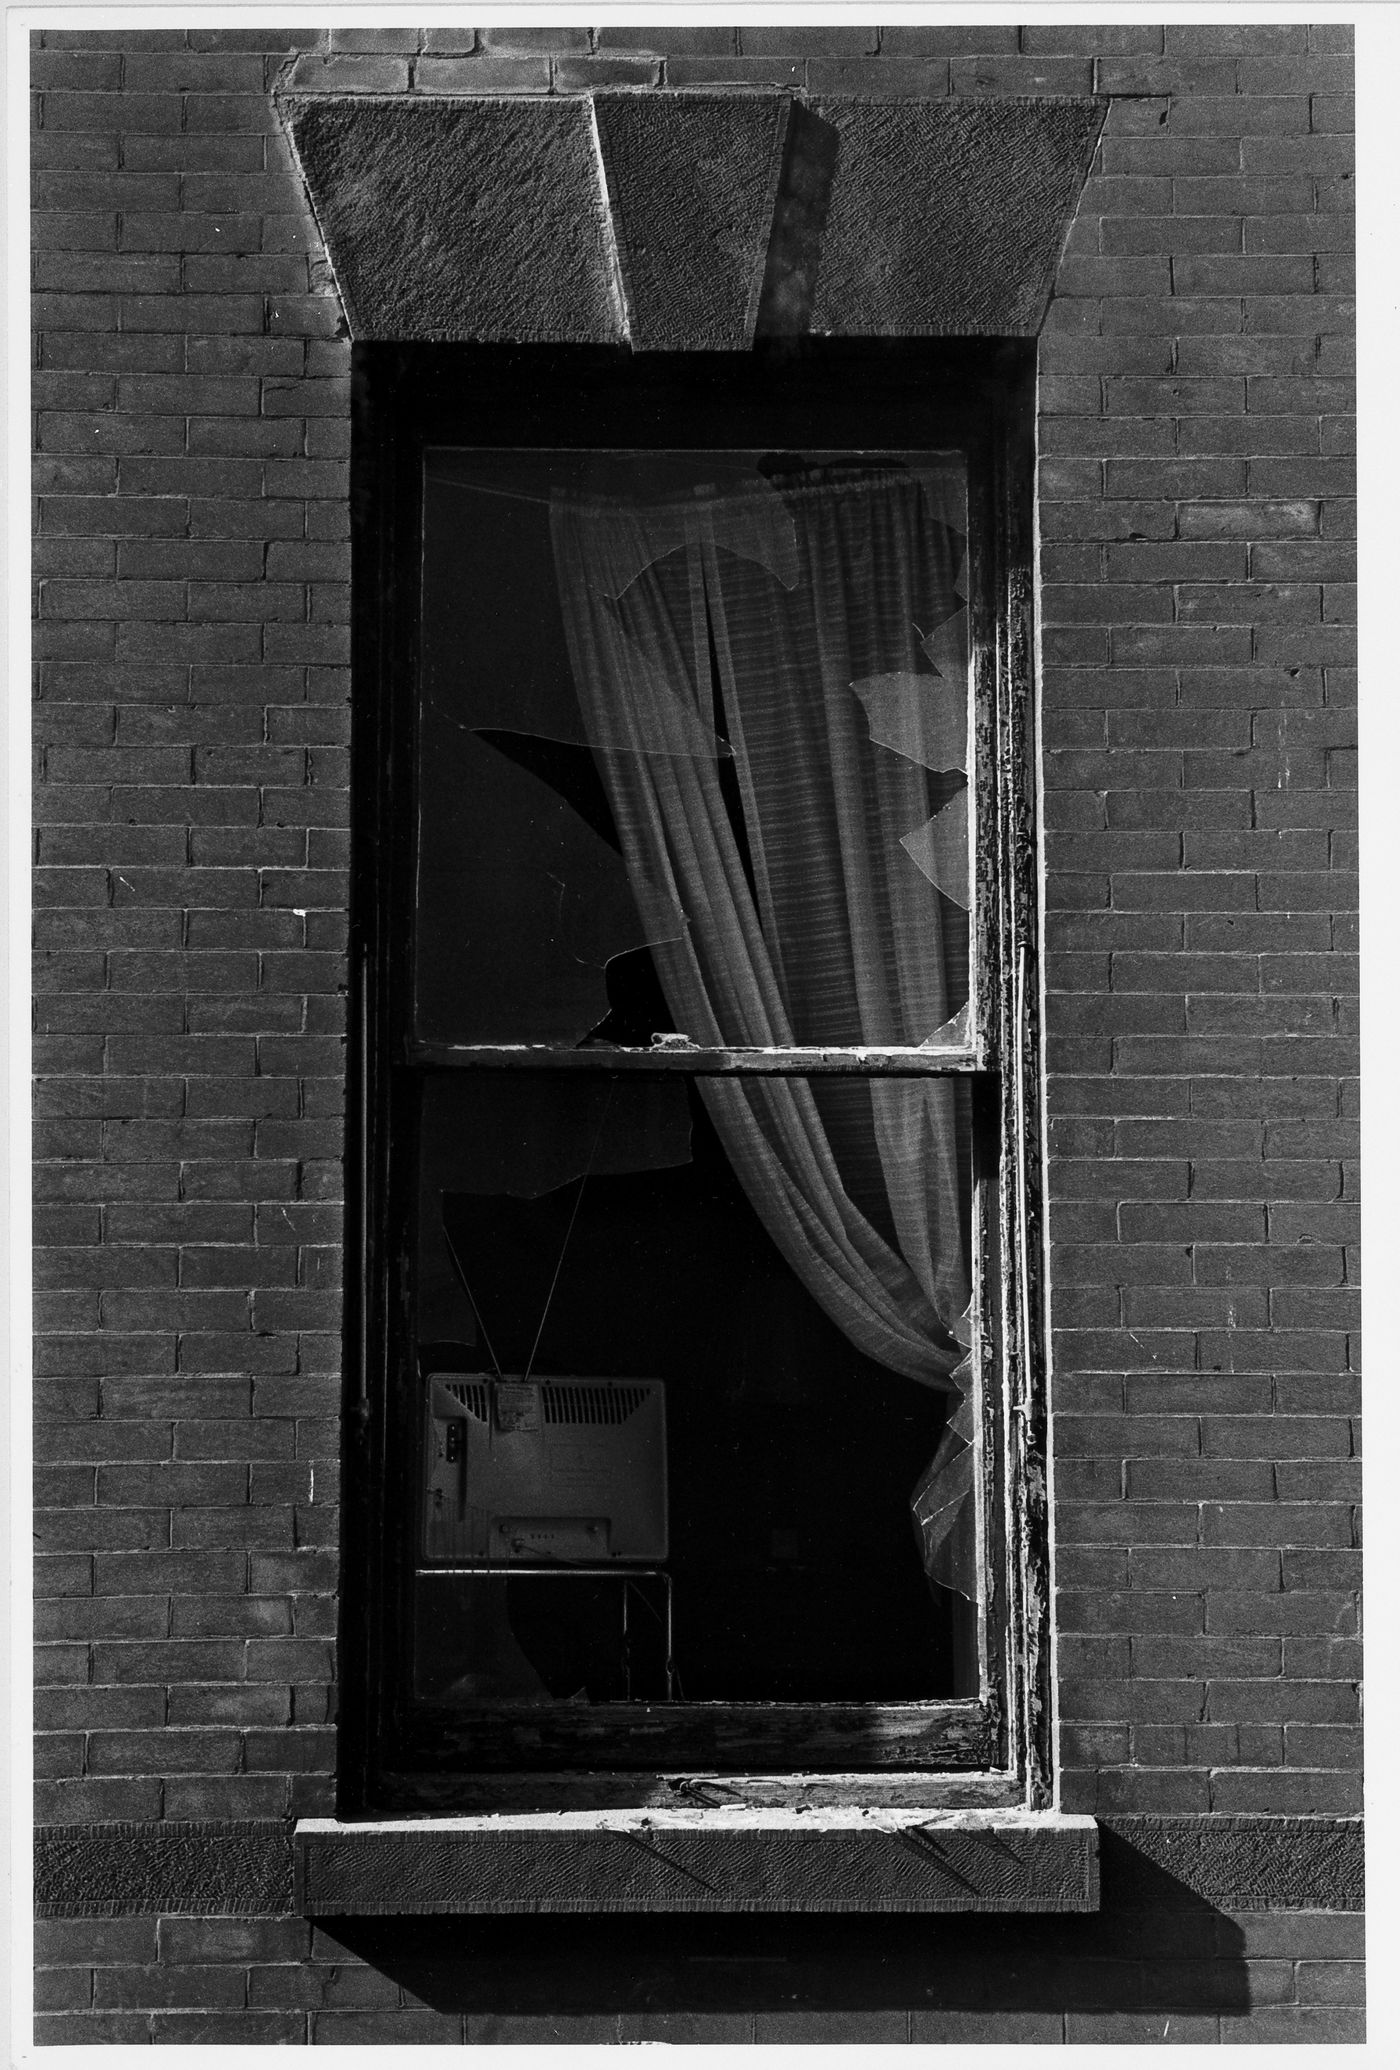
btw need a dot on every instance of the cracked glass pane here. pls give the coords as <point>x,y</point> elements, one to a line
<point>732,694</point>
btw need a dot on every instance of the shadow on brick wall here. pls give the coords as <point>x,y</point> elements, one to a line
<point>1154,1946</point>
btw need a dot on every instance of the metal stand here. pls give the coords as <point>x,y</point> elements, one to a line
<point>476,1569</point>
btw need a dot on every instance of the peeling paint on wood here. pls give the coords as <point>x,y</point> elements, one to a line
<point>710,1737</point>
<point>575,1790</point>
<point>691,1057</point>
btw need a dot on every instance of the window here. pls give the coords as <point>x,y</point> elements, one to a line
<point>698,1418</point>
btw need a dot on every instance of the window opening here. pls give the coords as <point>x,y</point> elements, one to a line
<point>695,1112</point>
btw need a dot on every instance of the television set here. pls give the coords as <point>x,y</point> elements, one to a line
<point>559,1470</point>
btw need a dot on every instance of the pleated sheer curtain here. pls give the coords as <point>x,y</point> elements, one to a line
<point>774,682</point>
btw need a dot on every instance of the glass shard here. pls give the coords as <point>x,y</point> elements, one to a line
<point>923,718</point>
<point>954,1034</point>
<point>944,1502</point>
<point>939,848</point>
<point>943,1509</point>
<point>946,648</point>
<point>944,490</point>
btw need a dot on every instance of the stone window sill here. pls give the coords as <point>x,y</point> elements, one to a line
<point>722,1860</point>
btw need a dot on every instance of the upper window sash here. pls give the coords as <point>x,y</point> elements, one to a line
<point>621,648</point>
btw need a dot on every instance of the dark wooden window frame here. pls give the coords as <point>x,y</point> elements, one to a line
<point>990,1750</point>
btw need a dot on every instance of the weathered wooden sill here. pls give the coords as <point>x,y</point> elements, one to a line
<point>694,1058</point>
<point>440,1793</point>
<point>741,1738</point>
<point>848,1859</point>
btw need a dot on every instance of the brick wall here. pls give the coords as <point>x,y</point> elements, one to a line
<point>191,395</point>
<point>191,390</point>
<point>1198,609</point>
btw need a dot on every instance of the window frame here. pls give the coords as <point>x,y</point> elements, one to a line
<point>993,1749</point>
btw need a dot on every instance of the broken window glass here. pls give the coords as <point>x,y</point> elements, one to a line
<point>843,918</point>
<point>734,698</point>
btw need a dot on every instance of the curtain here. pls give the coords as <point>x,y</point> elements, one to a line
<point>786,764</point>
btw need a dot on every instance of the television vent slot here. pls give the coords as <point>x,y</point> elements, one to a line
<point>471,1394</point>
<point>581,1404</point>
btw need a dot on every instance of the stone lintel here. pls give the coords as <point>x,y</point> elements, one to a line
<point>689,222</point>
